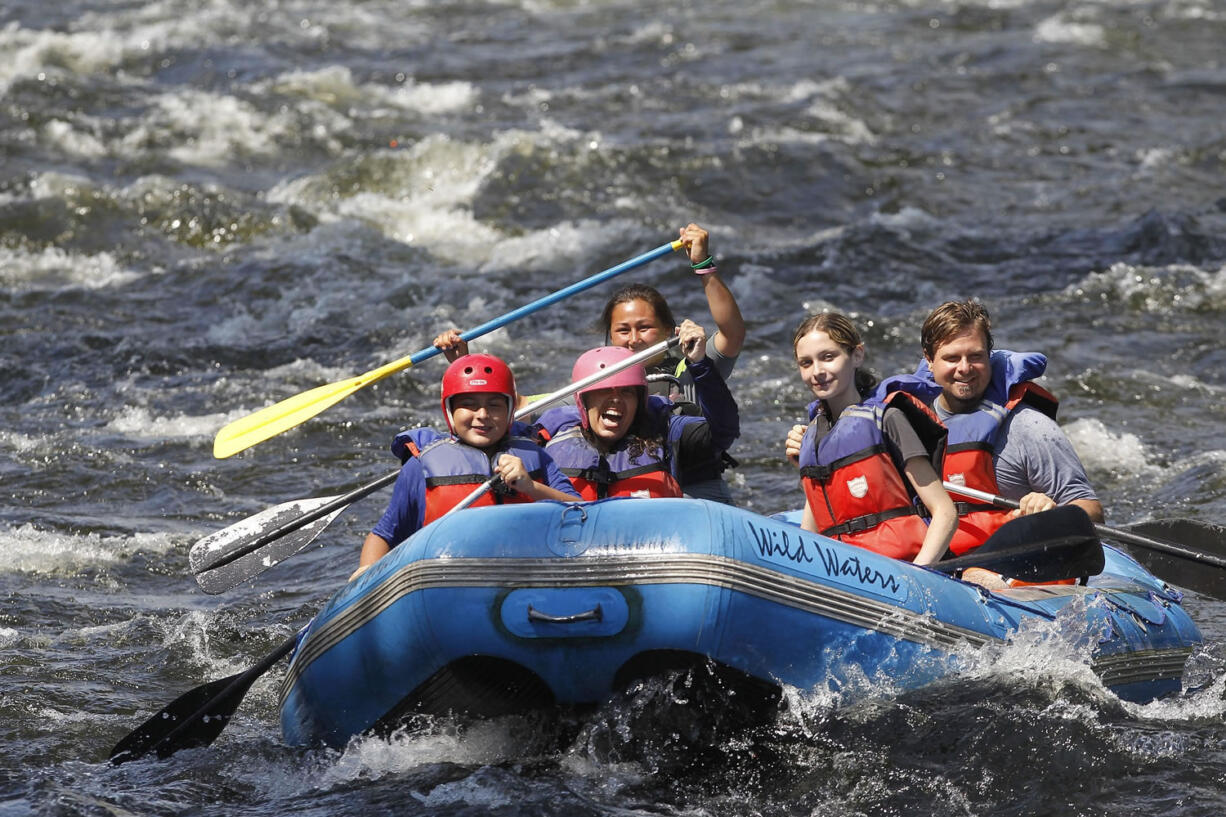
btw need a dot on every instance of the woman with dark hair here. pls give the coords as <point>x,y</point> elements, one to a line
<point>637,316</point>
<point>870,458</point>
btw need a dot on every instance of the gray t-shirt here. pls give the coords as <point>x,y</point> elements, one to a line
<point>1033,454</point>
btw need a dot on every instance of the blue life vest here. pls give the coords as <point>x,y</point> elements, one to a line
<point>453,470</point>
<point>597,476</point>
<point>857,491</point>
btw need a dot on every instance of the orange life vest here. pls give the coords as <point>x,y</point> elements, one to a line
<point>453,470</point>
<point>856,491</point>
<point>968,460</point>
<point>598,476</point>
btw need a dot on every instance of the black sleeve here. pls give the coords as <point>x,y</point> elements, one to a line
<point>902,435</point>
<point>694,447</point>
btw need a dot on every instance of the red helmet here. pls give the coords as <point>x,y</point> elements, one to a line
<point>477,374</point>
<point>602,357</point>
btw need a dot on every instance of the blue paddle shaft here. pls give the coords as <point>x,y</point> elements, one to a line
<point>553,298</point>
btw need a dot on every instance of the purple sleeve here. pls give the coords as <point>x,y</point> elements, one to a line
<point>407,508</point>
<point>554,477</point>
<point>718,405</point>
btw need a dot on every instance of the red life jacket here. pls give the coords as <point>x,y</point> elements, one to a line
<point>968,460</point>
<point>453,470</point>
<point>856,491</point>
<point>598,476</point>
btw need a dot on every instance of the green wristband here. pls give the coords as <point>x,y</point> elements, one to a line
<point>710,262</point>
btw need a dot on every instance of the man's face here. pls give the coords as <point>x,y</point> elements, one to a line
<point>962,367</point>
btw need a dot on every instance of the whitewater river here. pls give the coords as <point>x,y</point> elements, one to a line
<point>208,206</point>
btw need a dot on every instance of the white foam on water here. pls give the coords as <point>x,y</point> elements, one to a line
<point>32,550</point>
<point>139,423</point>
<point>1060,29</point>
<point>331,85</point>
<point>428,98</point>
<point>72,140</point>
<point>1210,10</point>
<point>30,53</point>
<point>826,110</point>
<point>906,218</point>
<point>21,443</point>
<point>54,268</point>
<point>368,757</point>
<point>1105,450</point>
<point>653,31</point>
<point>1162,290</point>
<point>210,129</point>
<point>426,199</point>
<point>1156,157</point>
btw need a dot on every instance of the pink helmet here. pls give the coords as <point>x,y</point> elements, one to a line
<point>477,373</point>
<point>602,357</point>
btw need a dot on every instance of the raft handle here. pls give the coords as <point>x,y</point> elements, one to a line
<point>595,614</point>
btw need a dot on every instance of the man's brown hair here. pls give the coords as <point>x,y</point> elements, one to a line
<point>952,318</point>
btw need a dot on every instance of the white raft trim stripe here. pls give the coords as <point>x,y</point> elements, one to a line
<point>1141,666</point>
<point>631,570</point>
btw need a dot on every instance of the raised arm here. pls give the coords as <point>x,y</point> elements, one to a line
<point>731,335</point>
<point>719,407</point>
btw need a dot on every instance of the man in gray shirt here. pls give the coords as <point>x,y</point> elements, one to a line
<point>991,396</point>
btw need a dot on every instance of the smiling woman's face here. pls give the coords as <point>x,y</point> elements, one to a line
<point>826,367</point>
<point>635,325</point>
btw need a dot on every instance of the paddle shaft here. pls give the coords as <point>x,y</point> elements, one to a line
<point>538,304</point>
<point>1113,533</point>
<point>345,500</point>
<point>270,421</point>
<point>241,683</point>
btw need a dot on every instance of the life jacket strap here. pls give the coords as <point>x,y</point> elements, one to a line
<point>965,508</point>
<point>871,520</point>
<point>822,473</point>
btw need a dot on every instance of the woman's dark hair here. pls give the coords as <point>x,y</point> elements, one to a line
<point>843,332</point>
<point>637,292</point>
<point>644,434</point>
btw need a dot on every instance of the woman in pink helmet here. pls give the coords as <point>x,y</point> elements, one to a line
<point>619,441</point>
<point>478,397</point>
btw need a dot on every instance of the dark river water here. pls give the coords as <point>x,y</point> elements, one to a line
<point>206,207</point>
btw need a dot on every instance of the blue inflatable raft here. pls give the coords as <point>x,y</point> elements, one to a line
<point>504,608</point>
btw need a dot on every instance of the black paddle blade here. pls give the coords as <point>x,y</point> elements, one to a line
<point>196,717</point>
<point>1194,569</point>
<point>193,719</point>
<point>1041,547</point>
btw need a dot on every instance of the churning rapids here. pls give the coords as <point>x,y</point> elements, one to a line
<point>206,207</point>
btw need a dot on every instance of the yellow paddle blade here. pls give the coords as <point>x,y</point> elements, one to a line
<point>271,421</point>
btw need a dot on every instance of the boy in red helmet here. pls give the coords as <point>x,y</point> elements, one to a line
<point>478,398</point>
